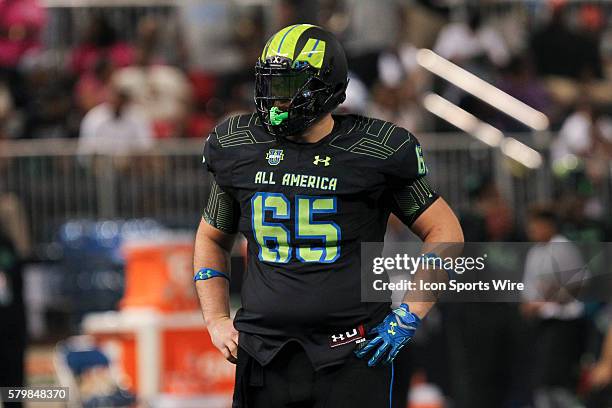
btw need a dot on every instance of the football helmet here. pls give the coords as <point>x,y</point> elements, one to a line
<point>300,76</point>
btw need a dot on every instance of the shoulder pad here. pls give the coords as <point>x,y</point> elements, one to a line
<point>375,138</point>
<point>239,130</point>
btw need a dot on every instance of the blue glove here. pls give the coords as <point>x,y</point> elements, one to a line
<point>391,335</point>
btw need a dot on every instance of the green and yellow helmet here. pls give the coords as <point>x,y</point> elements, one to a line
<point>300,76</point>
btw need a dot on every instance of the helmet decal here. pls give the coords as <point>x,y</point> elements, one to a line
<point>283,43</point>
<point>312,53</point>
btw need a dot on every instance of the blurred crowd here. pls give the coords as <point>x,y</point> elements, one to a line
<point>554,58</point>
<point>549,350</point>
<point>120,93</point>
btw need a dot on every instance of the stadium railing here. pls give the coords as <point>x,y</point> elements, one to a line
<point>169,183</point>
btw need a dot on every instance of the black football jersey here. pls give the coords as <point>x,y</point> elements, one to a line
<point>305,209</point>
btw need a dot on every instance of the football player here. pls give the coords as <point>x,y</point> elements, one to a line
<point>306,188</point>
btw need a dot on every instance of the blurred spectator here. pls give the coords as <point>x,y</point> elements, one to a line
<point>148,41</point>
<point>290,12</point>
<point>100,40</point>
<point>14,224</point>
<point>554,272</point>
<point>21,22</point>
<point>6,109</point>
<point>477,47</point>
<point>287,13</point>
<point>586,134</point>
<point>519,80</point>
<point>164,92</point>
<point>390,69</point>
<point>205,109</point>
<point>558,50</point>
<point>549,290</point>
<point>489,217</point>
<point>115,127</point>
<point>235,87</point>
<point>333,15</point>
<point>48,106</point>
<point>575,135</point>
<point>466,41</point>
<point>93,87</point>
<point>484,345</point>
<point>398,63</point>
<point>591,22</point>
<point>584,218</point>
<point>14,249</point>
<point>398,104</point>
<point>12,316</point>
<point>600,378</point>
<point>356,101</point>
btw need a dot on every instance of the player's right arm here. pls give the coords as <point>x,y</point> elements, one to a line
<point>213,245</point>
<point>212,250</point>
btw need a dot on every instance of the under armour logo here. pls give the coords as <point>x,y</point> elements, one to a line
<point>350,336</point>
<point>391,331</point>
<point>318,160</point>
<point>352,333</point>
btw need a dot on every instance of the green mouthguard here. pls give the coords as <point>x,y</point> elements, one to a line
<point>277,116</point>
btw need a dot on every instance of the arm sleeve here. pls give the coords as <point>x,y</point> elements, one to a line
<point>221,210</point>
<point>408,191</point>
<point>406,164</point>
<point>410,201</point>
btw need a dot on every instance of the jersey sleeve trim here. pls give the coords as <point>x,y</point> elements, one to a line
<point>221,211</point>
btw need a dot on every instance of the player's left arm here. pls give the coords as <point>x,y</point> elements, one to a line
<point>436,225</point>
<point>412,199</point>
<point>418,206</point>
<point>429,217</point>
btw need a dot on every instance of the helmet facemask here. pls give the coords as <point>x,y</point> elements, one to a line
<point>290,99</point>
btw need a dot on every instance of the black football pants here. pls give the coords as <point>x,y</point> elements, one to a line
<point>289,381</point>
